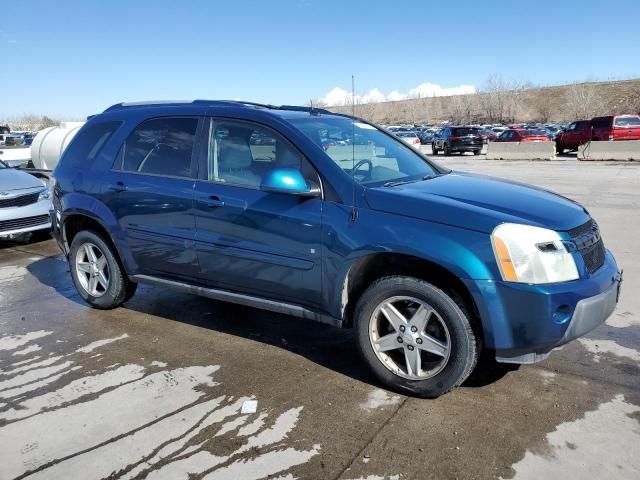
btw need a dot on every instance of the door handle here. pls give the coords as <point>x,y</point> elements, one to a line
<point>118,187</point>
<point>215,202</point>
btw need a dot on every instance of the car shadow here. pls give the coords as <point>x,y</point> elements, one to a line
<point>328,346</point>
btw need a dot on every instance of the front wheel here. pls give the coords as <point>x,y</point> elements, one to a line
<point>96,272</point>
<point>476,152</point>
<point>415,338</point>
<point>434,150</point>
<point>446,150</point>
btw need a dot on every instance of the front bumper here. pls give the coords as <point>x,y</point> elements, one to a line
<point>19,220</point>
<point>523,323</point>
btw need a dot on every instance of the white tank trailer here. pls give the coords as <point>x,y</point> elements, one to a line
<point>48,144</point>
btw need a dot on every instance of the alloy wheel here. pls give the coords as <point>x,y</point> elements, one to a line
<point>92,269</point>
<point>409,337</point>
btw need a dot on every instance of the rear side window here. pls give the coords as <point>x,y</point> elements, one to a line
<point>627,122</point>
<point>88,143</point>
<point>160,146</point>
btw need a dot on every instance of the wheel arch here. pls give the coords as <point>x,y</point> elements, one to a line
<point>374,266</point>
<point>77,221</point>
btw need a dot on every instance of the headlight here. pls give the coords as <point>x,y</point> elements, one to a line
<point>44,194</point>
<point>529,254</point>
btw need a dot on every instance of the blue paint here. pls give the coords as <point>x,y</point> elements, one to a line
<point>293,241</point>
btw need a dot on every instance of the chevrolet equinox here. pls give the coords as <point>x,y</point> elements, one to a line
<point>330,218</point>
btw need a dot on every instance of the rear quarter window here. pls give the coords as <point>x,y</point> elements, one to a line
<point>88,143</point>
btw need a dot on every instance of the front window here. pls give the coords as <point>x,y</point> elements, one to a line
<point>241,153</point>
<point>374,157</point>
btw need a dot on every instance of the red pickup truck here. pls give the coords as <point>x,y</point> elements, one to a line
<point>609,128</point>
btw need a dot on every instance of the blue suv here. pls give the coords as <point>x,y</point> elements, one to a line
<point>330,218</point>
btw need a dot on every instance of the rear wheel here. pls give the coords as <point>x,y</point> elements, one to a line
<point>415,338</point>
<point>476,152</point>
<point>559,150</point>
<point>434,150</point>
<point>96,272</point>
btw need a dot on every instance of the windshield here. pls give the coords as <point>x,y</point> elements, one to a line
<point>379,158</point>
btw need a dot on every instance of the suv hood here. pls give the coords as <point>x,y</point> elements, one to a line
<point>478,202</point>
<point>11,179</point>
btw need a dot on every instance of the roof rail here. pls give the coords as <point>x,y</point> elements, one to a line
<point>296,108</point>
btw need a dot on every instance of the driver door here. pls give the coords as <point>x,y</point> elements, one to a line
<point>247,240</point>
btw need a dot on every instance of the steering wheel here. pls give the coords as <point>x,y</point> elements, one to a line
<point>365,175</point>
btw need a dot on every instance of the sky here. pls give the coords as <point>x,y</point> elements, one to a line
<point>69,59</point>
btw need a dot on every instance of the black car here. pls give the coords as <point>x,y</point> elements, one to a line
<point>457,139</point>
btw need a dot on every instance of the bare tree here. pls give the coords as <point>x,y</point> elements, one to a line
<point>367,109</point>
<point>414,108</point>
<point>584,101</point>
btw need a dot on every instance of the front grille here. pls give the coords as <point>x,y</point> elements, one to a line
<point>19,223</point>
<point>21,201</point>
<point>589,243</point>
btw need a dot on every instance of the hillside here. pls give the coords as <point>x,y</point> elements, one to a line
<point>548,104</point>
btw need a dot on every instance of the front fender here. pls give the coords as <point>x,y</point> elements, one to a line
<point>466,254</point>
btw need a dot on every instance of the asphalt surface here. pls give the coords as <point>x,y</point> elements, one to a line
<point>156,389</point>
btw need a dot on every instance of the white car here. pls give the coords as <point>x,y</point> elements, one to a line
<point>25,202</point>
<point>410,138</point>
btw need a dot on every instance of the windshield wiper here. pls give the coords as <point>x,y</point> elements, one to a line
<point>402,182</point>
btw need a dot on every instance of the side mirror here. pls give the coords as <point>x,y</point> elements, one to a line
<point>288,180</point>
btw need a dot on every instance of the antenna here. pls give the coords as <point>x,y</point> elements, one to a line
<point>354,212</point>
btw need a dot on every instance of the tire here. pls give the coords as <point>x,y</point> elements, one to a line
<point>446,150</point>
<point>118,287</point>
<point>436,375</point>
<point>434,150</point>
<point>476,152</point>
<point>559,150</point>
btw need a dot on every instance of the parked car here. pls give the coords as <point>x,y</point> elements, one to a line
<point>488,135</point>
<point>409,137</point>
<point>457,139</point>
<point>426,136</point>
<point>552,131</point>
<point>498,130</point>
<point>616,127</point>
<point>12,140</point>
<point>576,134</point>
<point>24,203</point>
<point>523,135</point>
<point>429,266</point>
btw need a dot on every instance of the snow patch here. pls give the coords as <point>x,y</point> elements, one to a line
<point>379,398</point>
<point>605,443</point>
<point>28,350</point>
<point>11,342</point>
<point>599,347</point>
<point>100,343</point>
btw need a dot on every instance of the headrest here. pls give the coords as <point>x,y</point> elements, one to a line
<point>234,153</point>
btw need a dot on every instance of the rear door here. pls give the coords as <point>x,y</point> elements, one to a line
<point>150,191</point>
<point>248,240</point>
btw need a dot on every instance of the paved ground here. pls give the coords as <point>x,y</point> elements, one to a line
<point>156,389</point>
